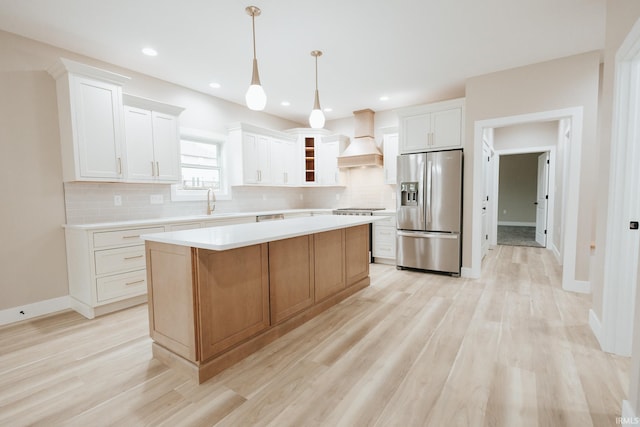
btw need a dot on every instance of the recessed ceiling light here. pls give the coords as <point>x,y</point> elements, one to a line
<point>214,85</point>
<point>384,98</point>
<point>149,51</point>
<point>285,103</point>
<point>328,110</point>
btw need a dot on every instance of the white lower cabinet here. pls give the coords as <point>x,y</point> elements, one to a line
<point>107,267</point>
<point>384,240</point>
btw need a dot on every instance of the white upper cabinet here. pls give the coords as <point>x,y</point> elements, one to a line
<point>437,126</point>
<point>327,152</point>
<point>390,154</point>
<point>91,125</point>
<point>152,140</point>
<point>256,159</point>
<point>283,162</point>
<point>317,156</point>
<point>261,156</point>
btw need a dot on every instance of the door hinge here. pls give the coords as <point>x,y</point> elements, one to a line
<point>545,231</point>
<point>547,161</point>
<point>546,197</point>
<point>487,198</point>
<point>486,237</point>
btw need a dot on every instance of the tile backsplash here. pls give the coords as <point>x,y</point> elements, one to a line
<point>88,202</point>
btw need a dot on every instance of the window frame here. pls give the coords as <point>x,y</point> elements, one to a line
<point>197,135</point>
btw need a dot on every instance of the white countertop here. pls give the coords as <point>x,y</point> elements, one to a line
<point>241,235</point>
<point>182,219</point>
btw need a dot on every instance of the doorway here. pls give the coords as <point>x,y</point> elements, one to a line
<point>523,199</point>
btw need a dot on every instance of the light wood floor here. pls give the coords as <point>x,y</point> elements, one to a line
<point>413,349</point>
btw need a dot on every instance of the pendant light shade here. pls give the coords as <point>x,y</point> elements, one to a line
<point>255,98</point>
<point>316,118</point>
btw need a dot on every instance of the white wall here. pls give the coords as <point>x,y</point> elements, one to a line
<point>517,189</point>
<point>32,254</point>
<point>554,85</point>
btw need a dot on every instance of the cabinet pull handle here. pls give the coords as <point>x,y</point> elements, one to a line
<point>119,165</point>
<point>157,168</point>
<point>153,169</point>
<point>133,257</point>
<point>133,236</point>
<point>134,283</point>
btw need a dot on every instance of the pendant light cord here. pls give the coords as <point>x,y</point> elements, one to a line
<point>253,27</point>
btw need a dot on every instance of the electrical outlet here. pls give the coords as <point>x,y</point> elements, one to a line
<point>117,200</point>
<point>301,196</point>
<point>156,199</point>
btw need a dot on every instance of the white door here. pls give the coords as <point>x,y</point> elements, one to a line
<point>487,172</point>
<point>542,199</point>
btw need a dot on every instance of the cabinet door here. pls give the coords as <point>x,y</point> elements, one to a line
<point>98,123</point>
<point>415,133</point>
<point>291,175</point>
<point>250,158</point>
<point>357,253</point>
<point>290,276</point>
<point>233,295</point>
<point>447,129</point>
<point>139,143</point>
<point>329,263</point>
<point>255,159</point>
<point>327,162</point>
<point>390,153</point>
<point>166,147</point>
<point>278,162</point>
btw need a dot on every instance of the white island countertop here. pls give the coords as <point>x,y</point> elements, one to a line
<point>241,235</point>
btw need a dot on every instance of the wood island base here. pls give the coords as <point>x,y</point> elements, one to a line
<point>209,309</point>
<point>201,372</point>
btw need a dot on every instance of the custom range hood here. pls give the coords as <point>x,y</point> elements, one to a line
<point>363,150</point>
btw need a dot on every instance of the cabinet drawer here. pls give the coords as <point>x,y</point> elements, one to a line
<point>385,235</point>
<point>388,222</point>
<point>187,226</point>
<point>385,251</point>
<point>122,285</point>
<point>119,259</point>
<point>122,237</point>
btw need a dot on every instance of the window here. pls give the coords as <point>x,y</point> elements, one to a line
<point>202,166</point>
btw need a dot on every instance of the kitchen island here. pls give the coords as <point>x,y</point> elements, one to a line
<point>218,294</point>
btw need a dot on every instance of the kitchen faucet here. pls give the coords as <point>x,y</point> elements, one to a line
<point>211,201</point>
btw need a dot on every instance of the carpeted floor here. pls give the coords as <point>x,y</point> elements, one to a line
<point>517,236</point>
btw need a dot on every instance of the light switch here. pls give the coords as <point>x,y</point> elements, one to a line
<point>117,200</point>
<point>156,199</point>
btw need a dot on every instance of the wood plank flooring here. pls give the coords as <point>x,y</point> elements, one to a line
<point>413,349</point>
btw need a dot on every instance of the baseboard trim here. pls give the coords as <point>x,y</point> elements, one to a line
<point>629,416</point>
<point>517,223</point>
<point>556,254</point>
<point>579,286</point>
<point>595,325</point>
<point>469,273</point>
<point>36,309</point>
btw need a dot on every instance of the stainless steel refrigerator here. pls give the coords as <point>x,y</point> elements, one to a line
<point>429,211</point>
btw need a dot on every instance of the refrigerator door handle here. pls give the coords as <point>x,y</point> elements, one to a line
<point>425,235</point>
<point>429,173</point>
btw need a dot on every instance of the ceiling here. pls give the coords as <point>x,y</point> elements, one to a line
<point>412,51</point>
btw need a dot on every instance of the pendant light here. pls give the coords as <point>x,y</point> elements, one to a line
<point>316,118</point>
<point>256,98</point>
